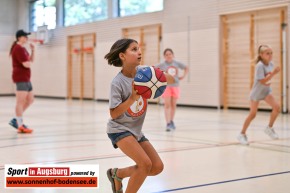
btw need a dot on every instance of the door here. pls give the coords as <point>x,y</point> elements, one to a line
<point>81,70</point>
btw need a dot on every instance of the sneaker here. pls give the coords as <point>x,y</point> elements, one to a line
<point>24,129</point>
<point>14,123</point>
<point>172,125</point>
<point>242,138</point>
<point>271,132</point>
<point>169,127</point>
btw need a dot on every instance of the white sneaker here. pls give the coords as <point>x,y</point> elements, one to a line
<point>242,138</point>
<point>271,132</point>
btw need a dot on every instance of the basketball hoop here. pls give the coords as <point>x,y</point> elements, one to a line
<point>42,35</point>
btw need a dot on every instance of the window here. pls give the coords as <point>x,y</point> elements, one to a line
<point>84,11</point>
<point>43,12</point>
<point>133,7</point>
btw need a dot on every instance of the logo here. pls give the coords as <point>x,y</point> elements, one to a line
<point>173,71</point>
<point>52,176</point>
<point>138,108</point>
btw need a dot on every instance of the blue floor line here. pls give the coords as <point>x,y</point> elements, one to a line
<point>222,182</point>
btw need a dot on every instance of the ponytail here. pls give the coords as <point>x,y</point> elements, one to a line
<point>120,46</point>
<point>11,49</point>
<point>261,49</point>
<point>258,59</point>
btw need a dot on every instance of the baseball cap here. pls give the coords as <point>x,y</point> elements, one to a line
<point>21,32</point>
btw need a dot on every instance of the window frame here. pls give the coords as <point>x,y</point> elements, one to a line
<point>119,10</point>
<point>32,15</point>
<point>64,15</point>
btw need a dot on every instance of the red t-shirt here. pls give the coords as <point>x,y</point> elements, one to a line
<point>20,73</point>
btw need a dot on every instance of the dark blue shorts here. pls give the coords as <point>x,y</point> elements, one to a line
<point>115,137</point>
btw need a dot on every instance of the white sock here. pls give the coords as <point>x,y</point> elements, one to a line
<point>19,121</point>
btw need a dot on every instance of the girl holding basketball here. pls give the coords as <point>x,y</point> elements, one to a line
<point>172,91</point>
<point>21,61</point>
<point>128,110</point>
<point>262,91</point>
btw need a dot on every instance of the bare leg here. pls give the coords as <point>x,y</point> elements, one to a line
<point>167,109</point>
<point>157,164</point>
<point>156,167</point>
<point>138,173</point>
<point>275,109</point>
<point>173,108</point>
<point>29,101</point>
<point>251,116</point>
<point>20,102</point>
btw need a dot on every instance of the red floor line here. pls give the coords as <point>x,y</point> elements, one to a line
<point>63,147</point>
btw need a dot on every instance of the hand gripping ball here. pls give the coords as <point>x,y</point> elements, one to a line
<point>150,82</point>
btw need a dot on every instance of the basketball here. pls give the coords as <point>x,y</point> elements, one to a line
<point>150,82</point>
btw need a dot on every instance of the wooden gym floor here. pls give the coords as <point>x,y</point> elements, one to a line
<point>201,156</point>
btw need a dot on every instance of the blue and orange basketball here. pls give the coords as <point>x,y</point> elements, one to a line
<point>150,82</point>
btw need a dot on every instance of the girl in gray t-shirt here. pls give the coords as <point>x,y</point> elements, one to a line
<point>262,91</point>
<point>128,110</point>
<point>172,92</point>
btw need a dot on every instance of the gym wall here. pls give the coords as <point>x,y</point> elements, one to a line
<point>190,28</point>
<point>8,26</point>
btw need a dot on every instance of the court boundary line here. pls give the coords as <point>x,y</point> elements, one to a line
<point>223,182</point>
<point>190,148</point>
<point>112,156</point>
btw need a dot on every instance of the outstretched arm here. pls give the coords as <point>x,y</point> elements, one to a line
<point>270,76</point>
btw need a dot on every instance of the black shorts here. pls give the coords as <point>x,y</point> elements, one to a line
<point>24,86</point>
